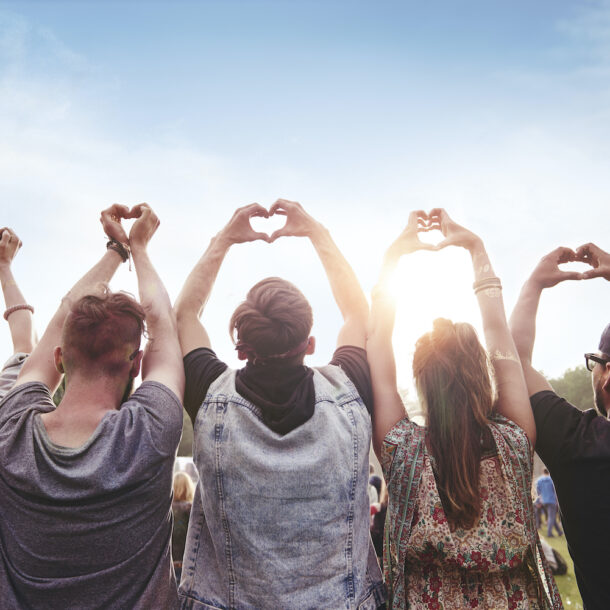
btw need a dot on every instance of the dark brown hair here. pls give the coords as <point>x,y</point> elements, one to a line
<point>101,333</point>
<point>274,318</point>
<point>453,377</point>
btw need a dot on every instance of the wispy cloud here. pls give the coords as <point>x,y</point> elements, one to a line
<point>525,165</point>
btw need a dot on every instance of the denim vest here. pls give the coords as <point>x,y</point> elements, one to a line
<point>281,521</point>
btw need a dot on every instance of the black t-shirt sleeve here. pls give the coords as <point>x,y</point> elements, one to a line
<point>355,365</point>
<point>201,369</point>
<point>557,424</point>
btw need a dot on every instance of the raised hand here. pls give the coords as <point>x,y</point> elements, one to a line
<point>408,241</point>
<point>455,234</point>
<point>239,230</point>
<point>111,222</point>
<point>144,227</point>
<point>597,258</point>
<point>547,273</point>
<point>298,222</point>
<point>9,245</point>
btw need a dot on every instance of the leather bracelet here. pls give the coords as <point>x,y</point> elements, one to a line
<point>119,248</point>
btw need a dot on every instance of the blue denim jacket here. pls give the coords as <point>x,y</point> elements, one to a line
<point>281,521</point>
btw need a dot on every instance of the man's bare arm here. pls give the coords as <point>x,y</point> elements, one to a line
<point>523,318</point>
<point>162,360</point>
<point>40,366</point>
<point>198,286</point>
<point>343,281</point>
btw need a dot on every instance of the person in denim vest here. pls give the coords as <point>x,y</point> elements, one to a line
<point>280,514</point>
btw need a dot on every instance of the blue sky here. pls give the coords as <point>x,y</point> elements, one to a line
<point>361,111</point>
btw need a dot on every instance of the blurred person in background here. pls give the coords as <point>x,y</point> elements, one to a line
<point>184,489</point>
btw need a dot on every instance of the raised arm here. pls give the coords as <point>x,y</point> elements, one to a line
<point>198,286</point>
<point>343,281</point>
<point>40,366</point>
<point>513,401</point>
<point>389,408</point>
<point>18,313</point>
<point>523,319</point>
<point>162,360</point>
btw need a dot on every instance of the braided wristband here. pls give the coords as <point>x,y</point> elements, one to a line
<point>119,248</point>
<point>15,308</point>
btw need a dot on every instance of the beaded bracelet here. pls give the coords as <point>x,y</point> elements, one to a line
<point>15,308</point>
<point>492,286</point>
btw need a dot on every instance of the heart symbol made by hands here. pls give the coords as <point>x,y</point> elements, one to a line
<point>268,225</point>
<point>428,231</point>
<point>112,221</point>
<point>582,260</point>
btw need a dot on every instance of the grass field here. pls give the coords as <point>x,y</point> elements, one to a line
<point>567,583</point>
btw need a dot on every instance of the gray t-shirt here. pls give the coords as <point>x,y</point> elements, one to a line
<point>10,371</point>
<point>88,527</point>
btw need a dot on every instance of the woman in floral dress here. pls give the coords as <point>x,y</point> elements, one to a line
<point>460,529</point>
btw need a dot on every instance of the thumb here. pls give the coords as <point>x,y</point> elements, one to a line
<point>573,275</point>
<point>587,275</point>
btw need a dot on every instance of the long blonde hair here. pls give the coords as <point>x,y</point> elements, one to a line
<point>184,489</point>
<point>453,377</point>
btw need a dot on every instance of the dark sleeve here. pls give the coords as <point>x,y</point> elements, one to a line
<point>558,426</point>
<point>201,368</point>
<point>355,365</point>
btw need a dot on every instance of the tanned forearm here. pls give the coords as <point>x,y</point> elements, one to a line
<point>20,322</point>
<point>523,320</point>
<point>343,281</point>
<point>200,281</point>
<point>163,359</point>
<point>195,294</point>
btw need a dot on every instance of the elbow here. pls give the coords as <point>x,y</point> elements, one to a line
<point>186,309</point>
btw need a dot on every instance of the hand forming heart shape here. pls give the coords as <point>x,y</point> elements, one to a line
<point>111,220</point>
<point>268,225</point>
<point>298,222</point>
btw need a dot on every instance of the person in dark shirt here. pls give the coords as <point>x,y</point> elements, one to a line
<point>573,444</point>
<point>280,518</point>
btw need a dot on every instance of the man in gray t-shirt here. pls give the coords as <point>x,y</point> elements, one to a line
<point>85,488</point>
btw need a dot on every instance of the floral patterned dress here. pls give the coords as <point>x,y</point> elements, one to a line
<point>497,563</point>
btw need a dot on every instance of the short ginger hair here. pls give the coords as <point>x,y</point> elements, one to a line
<point>101,333</point>
<point>275,317</point>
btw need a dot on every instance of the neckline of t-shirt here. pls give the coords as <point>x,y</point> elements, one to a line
<point>62,449</point>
